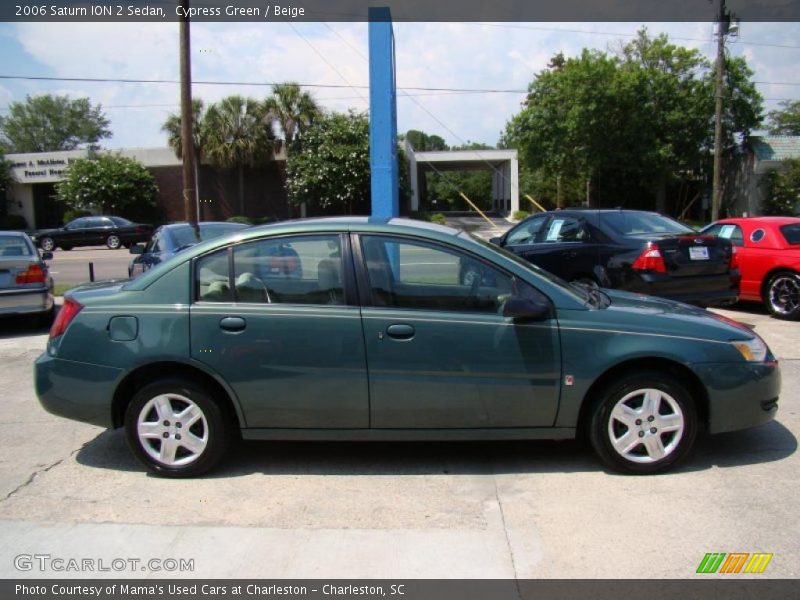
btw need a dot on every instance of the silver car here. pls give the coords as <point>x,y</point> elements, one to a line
<point>26,287</point>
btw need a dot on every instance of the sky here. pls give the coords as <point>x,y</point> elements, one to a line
<point>484,56</point>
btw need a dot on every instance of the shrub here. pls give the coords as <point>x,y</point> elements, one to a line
<point>438,218</point>
<point>71,214</point>
<point>17,222</point>
<point>519,215</point>
<point>240,219</point>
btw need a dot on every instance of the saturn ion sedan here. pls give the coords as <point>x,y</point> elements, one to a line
<point>362,329</point>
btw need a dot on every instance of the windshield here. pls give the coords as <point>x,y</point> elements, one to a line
<point>575,290</point>
<point>637,223</point>
<point>185,235</point>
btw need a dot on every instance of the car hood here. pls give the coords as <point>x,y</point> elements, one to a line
<point>667,317</point>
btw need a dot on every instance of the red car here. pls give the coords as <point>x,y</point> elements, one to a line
<point>768,252</point>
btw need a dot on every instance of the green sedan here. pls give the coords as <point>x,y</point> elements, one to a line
<point>362,329</point>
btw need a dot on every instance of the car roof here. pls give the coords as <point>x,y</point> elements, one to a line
<point>762,220</point>
<point>202,224</point>
<point>20,234</point>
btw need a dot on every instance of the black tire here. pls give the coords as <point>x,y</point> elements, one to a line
<point>47,244</point>
<point>782,295</point>
<point>675,406</point>
<point>215,427</point>
<point>113,242</point>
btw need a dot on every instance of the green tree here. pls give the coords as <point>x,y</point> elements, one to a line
<point>47,123</point>
<point>786,120</point>
<point>292,110</point>
<point>328,168</point>
<point>172,127</point>
<point>237,134</point>
<point>628,123</point>
<point>111,182</point>
<point>783,189</point>
<point>423,142</point>
<point>446,187</point>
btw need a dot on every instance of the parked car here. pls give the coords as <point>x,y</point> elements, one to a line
<point>632,250</point>
<point>26,287</point>
<point>380,340</point>
<point>114,232</point>
<point>170,239</point>
<point>768,253</point>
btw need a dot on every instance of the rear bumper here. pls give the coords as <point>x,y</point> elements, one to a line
<point>74,390</point>
<point>703,290</point>
<point>23,301</point>
<point>740,396</point>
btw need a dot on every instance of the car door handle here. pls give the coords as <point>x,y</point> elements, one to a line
<point>232,324</point>
<point>400,332</point>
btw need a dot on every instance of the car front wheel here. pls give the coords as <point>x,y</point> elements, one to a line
<point>643,423</point>
<point>783,295</point>
<point>113,242</point>
<point>47,244</point>
<point>176,429</point>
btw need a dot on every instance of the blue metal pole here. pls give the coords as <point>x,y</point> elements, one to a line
<point>382,115</point>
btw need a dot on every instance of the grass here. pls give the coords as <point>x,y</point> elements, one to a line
<point>60,288</point>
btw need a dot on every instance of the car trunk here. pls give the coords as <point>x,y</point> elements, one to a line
<point>10,268</point>
<point>694,255</point>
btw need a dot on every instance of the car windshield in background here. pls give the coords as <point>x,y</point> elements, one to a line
<point>186,236</point>
<point>791,233</point>
<point>120,222</point>
<point>638,223</point>
<point>14,245</point>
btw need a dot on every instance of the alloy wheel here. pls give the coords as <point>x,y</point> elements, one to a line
<point>784,295</point>
<point>646,426</point>
<point>47,244</point>
<point>172,430</point>
<point>113,242</point>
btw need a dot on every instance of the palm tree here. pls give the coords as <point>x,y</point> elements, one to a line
<point>292,110</point>
<point>237,134</point>
<point>172,127</point>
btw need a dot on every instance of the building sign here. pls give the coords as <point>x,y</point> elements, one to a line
<point>42,167</point>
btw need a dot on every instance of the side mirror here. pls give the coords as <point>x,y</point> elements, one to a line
<point>497,241</point>
<point>137,249</point>
<point>524,309</point>
<point>47,256</point>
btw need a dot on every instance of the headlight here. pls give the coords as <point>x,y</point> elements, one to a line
<point>753,350</point>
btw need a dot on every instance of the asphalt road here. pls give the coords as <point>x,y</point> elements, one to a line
<point>396,510</point>
<point>72,267</point>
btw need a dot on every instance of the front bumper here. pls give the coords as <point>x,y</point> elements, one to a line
<point>740,396</point>
<point>25,301</point>
<point>75,390</point>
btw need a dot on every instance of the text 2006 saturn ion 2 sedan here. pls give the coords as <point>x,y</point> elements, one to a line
<point>370,334</point>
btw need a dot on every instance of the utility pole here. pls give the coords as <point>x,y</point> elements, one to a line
<point>187,142</point>
<point>723,28</point>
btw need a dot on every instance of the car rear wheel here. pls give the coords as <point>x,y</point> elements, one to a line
<point>783,295</point>
<point>176,429</point>
<point>113,242</point>
<point>643,423</point>
<point>47,244</point>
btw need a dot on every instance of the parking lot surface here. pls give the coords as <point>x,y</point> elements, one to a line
<point>515,509</point>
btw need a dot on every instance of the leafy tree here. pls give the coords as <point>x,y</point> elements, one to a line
<point>328,168</point>
<point>47,123</point>
<point>783,189</point>
<point>785,121</point>
<point>627,124</point>
<point>111,182</point>
<point>423,142</point>
<point>292,110</point>
<point>446,187</point>
<point>237,135</point>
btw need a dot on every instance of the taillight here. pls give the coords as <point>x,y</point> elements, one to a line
<point>734,259</point>
<point>34,274</point>
<point>650,259</point>
<point>68,312</point>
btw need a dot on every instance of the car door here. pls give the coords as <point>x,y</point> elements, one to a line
<point>440,353</point>
<point>74,232</point>
<point>97,231</point>
<point>750,284</point>
<point>565,247</point>
<point>275,318</point>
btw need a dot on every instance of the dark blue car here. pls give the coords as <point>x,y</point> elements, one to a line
<point>170,239</point>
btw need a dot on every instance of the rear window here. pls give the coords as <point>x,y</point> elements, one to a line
<point>791,233</point>
<point>186,236</point>
<point>636,223</point>
<point>14,245</point>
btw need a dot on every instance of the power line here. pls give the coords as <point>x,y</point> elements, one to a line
<point>258,84</point>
